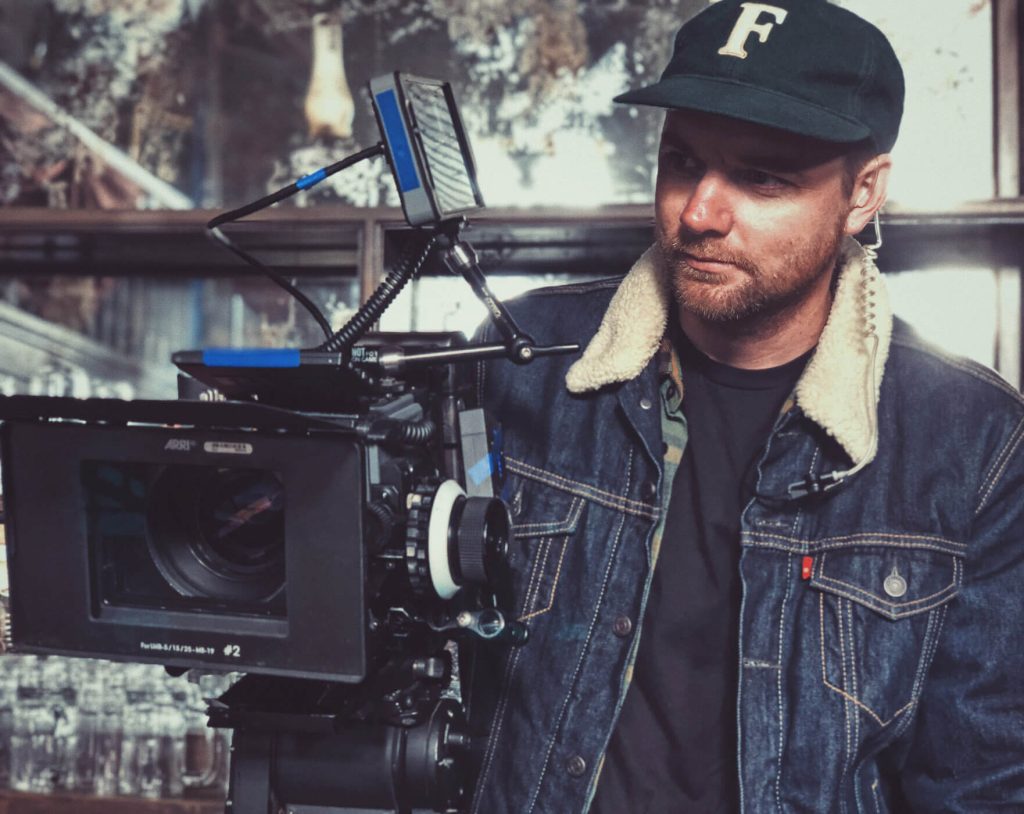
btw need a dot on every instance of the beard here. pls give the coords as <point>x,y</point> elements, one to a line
<point>762,293</point>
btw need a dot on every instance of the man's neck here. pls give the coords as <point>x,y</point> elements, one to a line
<point>763,341</point>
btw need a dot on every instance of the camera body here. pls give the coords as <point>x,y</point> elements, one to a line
<point>238,536</point>
<point>143,534</point>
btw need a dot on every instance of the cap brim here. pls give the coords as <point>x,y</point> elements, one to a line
<point>748,103</point>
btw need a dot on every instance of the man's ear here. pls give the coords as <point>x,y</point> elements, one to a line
<point>870,188</point>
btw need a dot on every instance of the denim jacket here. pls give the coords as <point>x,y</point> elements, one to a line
<point>881,658</point>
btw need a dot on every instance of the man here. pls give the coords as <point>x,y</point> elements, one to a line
<point>836,619</point>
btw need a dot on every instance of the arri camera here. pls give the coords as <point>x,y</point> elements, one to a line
<point>325,520</point>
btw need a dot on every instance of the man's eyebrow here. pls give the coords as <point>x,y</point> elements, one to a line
<point>673,140</point>
<point>774,162</point>
<point>791,164</point>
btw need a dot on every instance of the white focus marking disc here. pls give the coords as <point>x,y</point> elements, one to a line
<point>437,538</point>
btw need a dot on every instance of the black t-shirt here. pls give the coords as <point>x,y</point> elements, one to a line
<point>673,750</point>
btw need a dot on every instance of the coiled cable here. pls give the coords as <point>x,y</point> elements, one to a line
<point>830,480</point>
<point>378,302</point>
<point>396,431</point>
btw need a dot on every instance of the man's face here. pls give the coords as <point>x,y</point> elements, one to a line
<point>749,218</point>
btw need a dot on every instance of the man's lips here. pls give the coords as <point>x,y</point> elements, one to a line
<point>706,264</point>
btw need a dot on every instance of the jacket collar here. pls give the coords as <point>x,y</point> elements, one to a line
<point>835,388</point>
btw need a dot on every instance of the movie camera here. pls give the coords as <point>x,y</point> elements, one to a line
<point>326,520</point>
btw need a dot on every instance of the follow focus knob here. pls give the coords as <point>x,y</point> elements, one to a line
<point>481,538</point>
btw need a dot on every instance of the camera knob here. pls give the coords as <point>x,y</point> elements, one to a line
<point>452,540</point>
<point>429,551</point>
<point>417,540</point>
<point>483,533</point>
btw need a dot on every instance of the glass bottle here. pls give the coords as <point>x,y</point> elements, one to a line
<point>109,734</point>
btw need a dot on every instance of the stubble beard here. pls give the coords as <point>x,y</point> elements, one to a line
<point>761,298</point>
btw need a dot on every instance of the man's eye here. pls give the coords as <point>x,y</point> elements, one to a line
<point>683,163</point>
<point>759,178</point>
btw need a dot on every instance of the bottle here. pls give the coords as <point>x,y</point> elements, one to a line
<point>61,697</point>
<point>169,723</point>
<point>140,774</point>
<point>32,726</point>
<point>8,698</point>
<point>205,765</point>
<point>109,734</point>
<point>90,700</point>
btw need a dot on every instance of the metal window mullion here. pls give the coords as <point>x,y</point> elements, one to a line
<point>1006,25</point>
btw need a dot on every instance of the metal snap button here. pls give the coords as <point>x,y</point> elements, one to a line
<point>646,403</point>
<point>648,489</point>
<point>622,626</point>
<point>895,585</point>
<point>576,766</point>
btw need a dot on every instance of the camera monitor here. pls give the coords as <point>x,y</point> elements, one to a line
<point>427,147</point>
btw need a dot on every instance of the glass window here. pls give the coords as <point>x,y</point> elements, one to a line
<point>449,304</point>
<point>944,155</point>
<point>205,102</point>
<point>953,308</point>
<point>113,337</point>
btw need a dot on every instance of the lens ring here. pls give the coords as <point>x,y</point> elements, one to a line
<point>218,533</point>
<point>483,533</point>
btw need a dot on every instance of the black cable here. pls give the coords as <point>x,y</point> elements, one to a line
<point>305,182</point>
<point>385,516</point>
<point>216,234</point>
<point>415,432</point>
<point>385,294</point>
<point>396,431</point>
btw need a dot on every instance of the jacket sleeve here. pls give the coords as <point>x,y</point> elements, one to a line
<point>967,745</point>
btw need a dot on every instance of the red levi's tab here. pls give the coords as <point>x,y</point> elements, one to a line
<point>805,568</point>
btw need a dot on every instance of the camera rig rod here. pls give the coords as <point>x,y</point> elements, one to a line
<point>460,258</point>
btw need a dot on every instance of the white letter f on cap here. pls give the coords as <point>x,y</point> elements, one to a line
<point>748,24</point>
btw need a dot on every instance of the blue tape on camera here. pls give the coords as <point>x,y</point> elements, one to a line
<point>251,357</point>
<point>398,142</point>
<point>480,471</point>
<point>497,447</point>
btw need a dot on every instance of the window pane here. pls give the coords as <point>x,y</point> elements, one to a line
<point>211,99</point>
<point>957,309</point>
<point>449,304</point>
<point>944,153</point>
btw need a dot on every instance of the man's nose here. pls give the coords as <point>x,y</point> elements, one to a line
<point>708,208</point>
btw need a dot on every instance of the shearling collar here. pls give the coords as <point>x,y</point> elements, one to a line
<point>834,388</point>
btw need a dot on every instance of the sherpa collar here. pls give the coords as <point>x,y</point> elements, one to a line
<point>833,390</point>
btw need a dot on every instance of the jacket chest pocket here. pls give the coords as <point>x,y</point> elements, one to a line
<point>880,611</point>
<point>544,519</point>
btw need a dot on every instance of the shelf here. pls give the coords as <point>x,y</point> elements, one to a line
<point>347,241</point>
<point>13,802</point>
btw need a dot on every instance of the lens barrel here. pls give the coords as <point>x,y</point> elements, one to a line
<point>218,533</point>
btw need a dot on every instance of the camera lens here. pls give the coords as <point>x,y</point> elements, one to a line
<point>218,532</point>
<point>240,520</point>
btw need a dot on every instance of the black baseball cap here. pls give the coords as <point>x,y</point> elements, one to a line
<point>803,66</point>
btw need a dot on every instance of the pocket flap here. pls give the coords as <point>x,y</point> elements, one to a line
<point>541,510</point>
<point>895,582</point>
